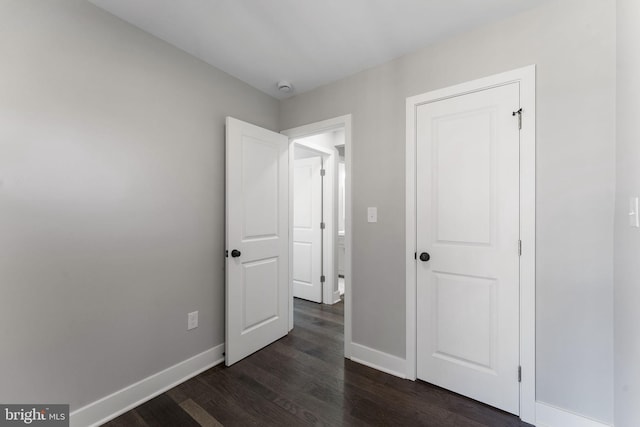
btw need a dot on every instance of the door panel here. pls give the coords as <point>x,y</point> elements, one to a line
<point>307,235</point>
<point>260,188</point>
<point>463,193</point>
<point>465,304</point>
<point>257,218</point>
<point>468,221</point>
<point>260,292</point>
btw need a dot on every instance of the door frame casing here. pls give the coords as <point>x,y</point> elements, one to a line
<point>526,78</point>
<point>341,122</point>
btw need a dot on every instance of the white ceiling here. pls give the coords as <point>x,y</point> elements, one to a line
<point>307,42</point>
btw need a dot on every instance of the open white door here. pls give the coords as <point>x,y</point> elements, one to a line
<point>257,218</point>
<point>307,234</point>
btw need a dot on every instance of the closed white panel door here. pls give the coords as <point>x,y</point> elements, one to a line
<point>468,223</point>
<point>307,235</point>
<point>256,238</point>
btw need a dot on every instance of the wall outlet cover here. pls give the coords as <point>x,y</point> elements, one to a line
<point>192,320</point>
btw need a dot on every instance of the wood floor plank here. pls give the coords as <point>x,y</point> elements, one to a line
<point>326,326</point>
<point>196,412</point>
<point>194,389</point>
<point>308,306</point>
<point>310,336</point>
<point>286,402</point>
<point>230,415</point>
<point>295,392</point>
<point>128,419</point>
<point>162,411</point>
<point>255,404</point>
<point>318,348</point>
<point>320,313</point>
<point>304,379</point>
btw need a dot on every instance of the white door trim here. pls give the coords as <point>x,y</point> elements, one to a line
<point>526,78</point>
<point>342,122</point>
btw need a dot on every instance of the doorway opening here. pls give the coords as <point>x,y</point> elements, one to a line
<point>316,217</point>
<point>320,216</point>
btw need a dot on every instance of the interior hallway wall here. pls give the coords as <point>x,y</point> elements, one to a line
<point>112,201</point>
<point>572,42</point>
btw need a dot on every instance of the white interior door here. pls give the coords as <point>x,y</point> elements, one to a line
<point>467,205</point>
<point>307,234</point>
<point>257,217</point>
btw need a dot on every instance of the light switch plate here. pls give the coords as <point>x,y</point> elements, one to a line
<point>634,220</point>
<point>372,214</point>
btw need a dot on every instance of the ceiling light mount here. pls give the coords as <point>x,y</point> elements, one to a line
<point>285,86</point>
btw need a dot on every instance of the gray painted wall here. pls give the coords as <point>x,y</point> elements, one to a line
<point>573,44</point>
<point>627,240</point>
<point>112,201</point>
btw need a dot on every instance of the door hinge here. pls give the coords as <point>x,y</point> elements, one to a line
<point>519,113</point>
<point>519,374</point>
<point>322,225</point>
<point>322,172</point>
<point>519,247</point>
<point>322,279</point>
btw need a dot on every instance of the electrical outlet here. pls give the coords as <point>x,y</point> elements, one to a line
<point>192,320</point>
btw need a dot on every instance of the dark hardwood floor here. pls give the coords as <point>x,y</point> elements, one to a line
<point>303,379</point>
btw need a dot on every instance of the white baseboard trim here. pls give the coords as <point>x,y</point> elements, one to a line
<point>336,297</point>
<point>379,360</point>
<point>550,416</point>
<point>115,404</point>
